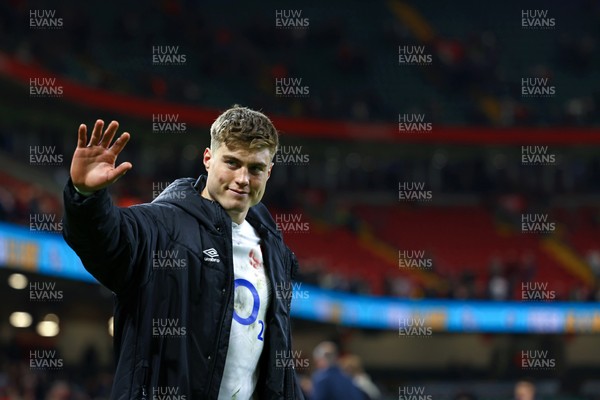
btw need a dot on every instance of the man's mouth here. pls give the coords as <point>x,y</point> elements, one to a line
<point>240,192</point>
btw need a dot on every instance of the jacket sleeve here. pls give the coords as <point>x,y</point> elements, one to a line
<point>112,243</point>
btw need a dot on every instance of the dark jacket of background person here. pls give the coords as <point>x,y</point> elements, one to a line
<point>117,247</point>
<point>332,384</point>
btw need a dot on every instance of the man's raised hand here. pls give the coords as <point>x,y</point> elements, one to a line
<point>93,164</point>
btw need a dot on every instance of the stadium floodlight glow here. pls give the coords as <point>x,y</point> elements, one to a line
<point>51,317</point>
<point>17,281</point>
<point>20,319</point>
<point>47,328</point>
<point>111,326</point>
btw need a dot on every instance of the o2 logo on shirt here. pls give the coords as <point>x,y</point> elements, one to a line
<point>256,305</point>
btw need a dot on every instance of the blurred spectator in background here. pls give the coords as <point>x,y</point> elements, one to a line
<point>329,381</point>
<point>352,365</point>
<point>498,287</point>
<point>524,390</point>
<point>59,391</point>
<point>464,396</point>
<point>593,259</point>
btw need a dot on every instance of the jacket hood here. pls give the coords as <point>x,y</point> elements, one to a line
<point>185,193</point>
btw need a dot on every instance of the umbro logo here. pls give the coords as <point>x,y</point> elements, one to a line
<point>212,254</point>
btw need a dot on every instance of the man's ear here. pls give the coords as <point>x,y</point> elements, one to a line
<point>207,157</point>
<point>269,170</point>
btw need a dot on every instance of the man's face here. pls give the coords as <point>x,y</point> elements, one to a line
<point>236,178</point>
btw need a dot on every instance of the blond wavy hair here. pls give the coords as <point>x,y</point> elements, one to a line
<point>242,127</point>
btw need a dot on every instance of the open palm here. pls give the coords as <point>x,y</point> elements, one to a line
<point>93,165</point>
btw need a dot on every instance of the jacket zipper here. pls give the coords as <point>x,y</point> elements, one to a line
<point>146,376</point>
<point>288,274</point>
<point>216,349</point>
<point>290,393</point>
<point>288,389</point>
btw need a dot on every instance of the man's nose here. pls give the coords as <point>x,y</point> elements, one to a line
<point>242,177</point>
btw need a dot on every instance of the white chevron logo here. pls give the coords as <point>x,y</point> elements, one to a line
<point>212,254</point>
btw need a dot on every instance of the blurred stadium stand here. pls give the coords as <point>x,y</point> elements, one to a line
<point>347,192</point>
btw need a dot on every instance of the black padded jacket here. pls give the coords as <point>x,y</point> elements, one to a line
<point>171,260</point>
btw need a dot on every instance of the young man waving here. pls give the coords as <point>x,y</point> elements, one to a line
<point>193,272</point>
